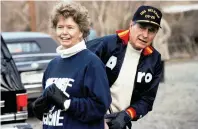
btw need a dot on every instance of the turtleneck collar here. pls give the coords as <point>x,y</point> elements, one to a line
<point>133,49</point>
<point>65,53</point>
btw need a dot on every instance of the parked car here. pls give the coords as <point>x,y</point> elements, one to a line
<point>31,51</point>
<point>13,94</point>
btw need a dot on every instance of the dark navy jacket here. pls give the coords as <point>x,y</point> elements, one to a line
<point>144,92</point>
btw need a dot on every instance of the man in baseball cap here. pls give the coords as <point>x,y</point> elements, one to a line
<point>133,67</point>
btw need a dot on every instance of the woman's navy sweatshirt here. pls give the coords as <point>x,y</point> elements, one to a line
<point>82,78</point>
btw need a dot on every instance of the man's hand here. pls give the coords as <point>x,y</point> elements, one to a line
<point>120,121</point>
<point>56,96</point>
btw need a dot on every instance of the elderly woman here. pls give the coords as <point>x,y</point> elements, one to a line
<point>76,87</point>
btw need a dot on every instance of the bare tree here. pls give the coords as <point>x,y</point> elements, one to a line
<point>107,17</point>
<point>14,16</point>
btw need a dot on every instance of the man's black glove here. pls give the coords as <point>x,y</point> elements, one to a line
<point>55,96</point>
<point>40,106</point>
<point>120,121</point>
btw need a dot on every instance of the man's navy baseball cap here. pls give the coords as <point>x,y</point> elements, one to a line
<point>148,14</point>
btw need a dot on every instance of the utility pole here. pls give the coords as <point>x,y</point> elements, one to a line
<point>32,14</point>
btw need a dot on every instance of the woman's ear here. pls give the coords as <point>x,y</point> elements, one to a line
<point>81,35</point>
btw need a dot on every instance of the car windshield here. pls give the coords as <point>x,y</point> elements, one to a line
<point>23,47</point>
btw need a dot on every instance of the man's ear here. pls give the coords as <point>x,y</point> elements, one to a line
<point>132,23</point>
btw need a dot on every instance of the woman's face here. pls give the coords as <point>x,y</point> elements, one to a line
<point>68,32</point>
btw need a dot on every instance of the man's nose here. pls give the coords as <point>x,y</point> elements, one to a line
<point>145,33</point>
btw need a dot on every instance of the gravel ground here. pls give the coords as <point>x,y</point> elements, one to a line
<point>177,99</point>
<point>176,102</point>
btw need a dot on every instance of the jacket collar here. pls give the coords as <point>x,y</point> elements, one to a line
<point>124,35</point>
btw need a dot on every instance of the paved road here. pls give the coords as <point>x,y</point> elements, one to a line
<point>176,103</point>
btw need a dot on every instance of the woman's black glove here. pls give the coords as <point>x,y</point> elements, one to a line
<point>55,96</point>
<point>40,106</point>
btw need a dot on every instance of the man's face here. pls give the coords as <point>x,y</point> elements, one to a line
<point>68,32</point>
<point>142,34</point>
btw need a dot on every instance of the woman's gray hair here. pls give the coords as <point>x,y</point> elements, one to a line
<point>71,9</point>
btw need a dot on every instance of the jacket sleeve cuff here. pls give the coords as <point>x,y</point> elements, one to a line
<point>67,104</point>
<point>131,112</point>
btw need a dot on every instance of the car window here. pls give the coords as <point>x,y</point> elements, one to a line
<point>23,47</point>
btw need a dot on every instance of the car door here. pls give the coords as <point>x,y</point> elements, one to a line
<point>13,94</point>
